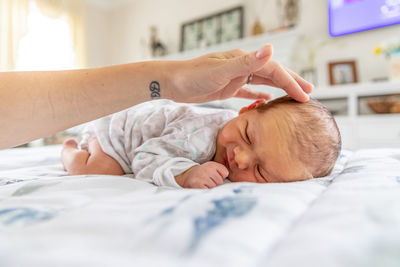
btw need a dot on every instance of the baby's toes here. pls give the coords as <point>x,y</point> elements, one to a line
<point>70,143</point>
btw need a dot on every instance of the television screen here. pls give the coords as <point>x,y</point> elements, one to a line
<point>350,16</point>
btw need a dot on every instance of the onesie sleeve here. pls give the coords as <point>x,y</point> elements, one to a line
<point>160,169</point>
<point>178,138</point>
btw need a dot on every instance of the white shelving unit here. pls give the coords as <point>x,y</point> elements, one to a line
<point>359,129</point>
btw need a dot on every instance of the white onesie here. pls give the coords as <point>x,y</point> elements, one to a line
<point>160,139</point>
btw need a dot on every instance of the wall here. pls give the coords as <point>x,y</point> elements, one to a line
<point>98,23</point>
<point>129,24</point>
<point>359,46</point>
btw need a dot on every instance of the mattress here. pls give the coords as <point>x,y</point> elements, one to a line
<point>47,218</point>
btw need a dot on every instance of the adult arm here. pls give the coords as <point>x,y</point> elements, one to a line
<point>38,104</point>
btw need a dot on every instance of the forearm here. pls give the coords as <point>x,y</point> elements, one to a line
<point>37,104</point>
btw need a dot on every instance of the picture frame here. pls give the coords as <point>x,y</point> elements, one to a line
<point>232,25</point>
<point>211,30</point>
<point>342,72</point>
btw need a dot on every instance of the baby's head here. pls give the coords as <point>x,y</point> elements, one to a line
<point>281,141</point>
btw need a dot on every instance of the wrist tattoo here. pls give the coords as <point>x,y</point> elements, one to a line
<point>155,90</point>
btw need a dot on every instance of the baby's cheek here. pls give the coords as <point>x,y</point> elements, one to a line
<point>227,137</point>
<point>221,137</point>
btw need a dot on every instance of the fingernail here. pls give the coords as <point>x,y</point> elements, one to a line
<point>263,51</point>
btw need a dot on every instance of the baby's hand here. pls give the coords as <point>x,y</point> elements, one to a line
<point>206,175</point>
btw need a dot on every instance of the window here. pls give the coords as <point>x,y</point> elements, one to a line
<point>48,44</point>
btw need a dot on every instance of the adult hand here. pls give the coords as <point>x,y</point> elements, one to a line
<point>224,74</point>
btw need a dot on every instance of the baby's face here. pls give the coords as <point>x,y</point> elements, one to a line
<point>255,147</point>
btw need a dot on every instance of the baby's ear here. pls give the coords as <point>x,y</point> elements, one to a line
<point>255,104</point>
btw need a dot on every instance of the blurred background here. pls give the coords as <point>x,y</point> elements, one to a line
<point>350,49</point>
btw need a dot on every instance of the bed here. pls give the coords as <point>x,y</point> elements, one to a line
<point>351,218</point>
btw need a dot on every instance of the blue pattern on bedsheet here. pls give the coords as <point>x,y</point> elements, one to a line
<point>13,181</point>
<point>353,169</point>
<point>224,209</point>
<point>10,181</point>
<point>396,156</point>
<point>23,215</point>
<point>32,187</point>
<point>168,211</point>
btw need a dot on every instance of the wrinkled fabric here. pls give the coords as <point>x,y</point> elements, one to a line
<point>160,139</point>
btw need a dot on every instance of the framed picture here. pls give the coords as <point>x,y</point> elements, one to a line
<point>190,36</point>
<point>214,29</point>
<point>232,25</point>
<point>342,72</point>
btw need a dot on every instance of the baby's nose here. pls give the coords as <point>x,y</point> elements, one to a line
<point>242,158</point>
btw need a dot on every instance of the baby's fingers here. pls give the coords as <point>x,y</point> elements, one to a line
<point>222,171</point>
<point>217,179</point>
<point>220,174</point>
<point>210,183</point>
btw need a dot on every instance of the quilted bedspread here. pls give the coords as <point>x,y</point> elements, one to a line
<point>47,218</point>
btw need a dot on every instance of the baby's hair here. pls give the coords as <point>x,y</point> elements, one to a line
<point>315,135</point>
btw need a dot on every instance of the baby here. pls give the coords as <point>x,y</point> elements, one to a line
<point>192,147</point>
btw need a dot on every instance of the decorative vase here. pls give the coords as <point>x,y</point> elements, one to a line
<point>394,65</point>
<point>257,28</point>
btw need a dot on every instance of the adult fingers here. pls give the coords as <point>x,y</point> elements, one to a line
<point>257,80</point>
<point>249,93</point>
<point>305,85</point>
<point>243,65</point>
<point>231,53</point>
<point>282,79</point>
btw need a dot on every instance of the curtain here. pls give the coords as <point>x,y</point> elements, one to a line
<point>13,26</point>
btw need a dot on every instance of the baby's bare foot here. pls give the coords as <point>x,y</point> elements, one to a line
<point>70,143</point>
<point>69,146</point>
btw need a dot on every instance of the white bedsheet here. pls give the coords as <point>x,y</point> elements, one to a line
<point>351,218</point>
